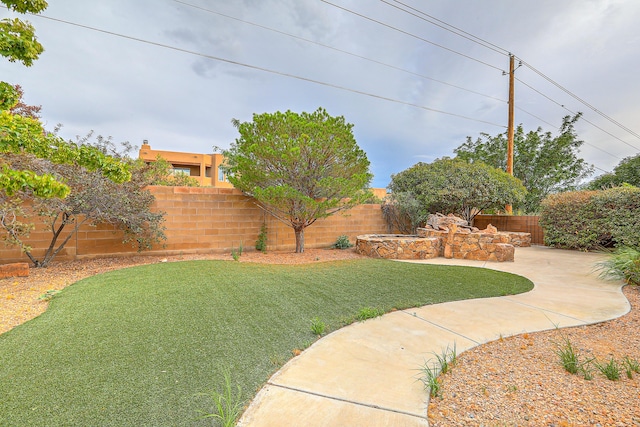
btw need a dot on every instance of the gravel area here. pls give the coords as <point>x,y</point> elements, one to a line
<point>519,381</point>
<point>516,381</point>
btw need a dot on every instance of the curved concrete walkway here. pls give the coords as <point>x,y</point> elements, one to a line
<point>367,374</point>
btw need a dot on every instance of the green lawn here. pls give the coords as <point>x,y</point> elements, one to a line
<point>135,347</point>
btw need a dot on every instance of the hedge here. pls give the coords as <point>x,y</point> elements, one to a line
<point>589,220</point>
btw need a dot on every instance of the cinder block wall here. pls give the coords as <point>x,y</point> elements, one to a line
<point>208,220</point>
<point>515,223</point>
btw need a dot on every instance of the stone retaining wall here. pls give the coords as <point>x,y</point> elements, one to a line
<point>521,240</point>
<point>430,243</point>
<point>479,246</point>
<point>398,246</point>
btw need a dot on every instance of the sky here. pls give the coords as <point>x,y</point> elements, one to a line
<point>176,73</point>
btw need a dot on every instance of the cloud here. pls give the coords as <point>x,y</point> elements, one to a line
<point>180,101</point>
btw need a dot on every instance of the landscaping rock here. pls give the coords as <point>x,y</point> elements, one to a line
<point>439,221</point>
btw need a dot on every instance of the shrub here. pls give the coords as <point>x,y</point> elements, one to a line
<point>568,222</point>
<point>261,243</point>
<point>622,264</point>
<point>342,242</point>
<point>403,213</point>
<point>589,220</point>
<point>620,209</point>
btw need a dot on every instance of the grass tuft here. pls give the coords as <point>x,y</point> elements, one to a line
<point>569,357</point>
<point>611,369</point>
<point>227,404</point>
<point>369,313</point>
<point>431,370</point>
<point>622,264</point>
<point>631,366</point>
<point>317,326</point>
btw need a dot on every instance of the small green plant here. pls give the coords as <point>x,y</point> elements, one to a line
<point>569,357</point>
<point>631,366</point>
<point>317,326</point>
<point>48,295</point>
<point>586,369</point>
<point>431,370</point>
<point>227,405</point>
<point>342,242</point>
<point>261,243</point>
<point>611,370</point>
<point>236,254</point>
<point>622,264</point>
<point>446,358</point>
<point>430,379</point>
<point>369,313</point>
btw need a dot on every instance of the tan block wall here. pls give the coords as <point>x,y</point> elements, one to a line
<point>209,220</point>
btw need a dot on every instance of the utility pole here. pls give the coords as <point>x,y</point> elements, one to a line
<point>510,131</point>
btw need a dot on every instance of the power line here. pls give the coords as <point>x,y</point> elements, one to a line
<point>448,27</point>
<point>325,83</point>
<point>411,35</point>
<point>339,50</point>
<point>464,34</point>
<point>267,70</point>
<point>582,101</point>
<point>573,112</point>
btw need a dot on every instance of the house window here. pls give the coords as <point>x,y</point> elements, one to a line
<point>221,176</point>
<point>181,171</point>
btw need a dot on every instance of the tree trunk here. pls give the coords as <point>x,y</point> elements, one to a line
<point>299,240</point>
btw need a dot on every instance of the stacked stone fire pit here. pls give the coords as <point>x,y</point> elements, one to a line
<point>445,236</point>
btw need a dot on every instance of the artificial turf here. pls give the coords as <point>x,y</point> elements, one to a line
<point>137,347</point>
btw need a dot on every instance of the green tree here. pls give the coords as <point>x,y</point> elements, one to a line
<point>545,164</point>
<point>627,172</point>
<point>25,134</point>
<point>158,172</point>
<point>93,199</point>
<point>65,183</point>
<point>299,167</point>
<point>17,38</point>
<point>453,186</point>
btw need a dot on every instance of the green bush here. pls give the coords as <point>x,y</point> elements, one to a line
<point>589,220</point>
<point>261,243</point>
<point>620,209</point>
<point>342,243</point>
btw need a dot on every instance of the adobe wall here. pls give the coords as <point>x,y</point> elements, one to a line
<point>208,220</point>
